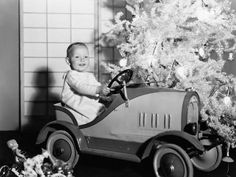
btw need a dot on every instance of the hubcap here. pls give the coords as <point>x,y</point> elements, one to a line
<point>62,150</point>
<point>171,166</point>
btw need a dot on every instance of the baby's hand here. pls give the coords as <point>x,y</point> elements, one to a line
<point>103,90</point>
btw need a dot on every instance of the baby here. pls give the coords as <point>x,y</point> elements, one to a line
<point>81,90</point>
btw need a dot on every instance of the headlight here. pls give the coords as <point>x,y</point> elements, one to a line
<point>193,110</point>
<point>191,128</point>
<point>191,117</point>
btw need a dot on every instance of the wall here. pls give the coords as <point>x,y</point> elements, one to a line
<point>9,65</point>
<point>48,27</point>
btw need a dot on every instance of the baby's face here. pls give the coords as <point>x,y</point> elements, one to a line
<point>79,58</point>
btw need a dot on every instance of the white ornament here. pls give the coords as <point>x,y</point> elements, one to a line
<point>227,101</point>
<point>230,56</point>
<point>123,62</point>
<point>180,73</point>
<point>202,52</point>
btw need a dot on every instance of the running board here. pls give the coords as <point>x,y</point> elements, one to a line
<point>111,154</point>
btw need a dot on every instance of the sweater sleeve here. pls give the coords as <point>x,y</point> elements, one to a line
<point>79,85</point>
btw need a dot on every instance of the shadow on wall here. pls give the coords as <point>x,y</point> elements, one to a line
<point>41,103</point>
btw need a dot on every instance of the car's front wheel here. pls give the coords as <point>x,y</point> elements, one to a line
<point>209,160</point>
<point>172,161</point>
<point>61,146</point>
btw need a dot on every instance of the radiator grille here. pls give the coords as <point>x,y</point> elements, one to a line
<point>154,121</point>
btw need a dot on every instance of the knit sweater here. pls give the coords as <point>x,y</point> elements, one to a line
<point>79,93</point>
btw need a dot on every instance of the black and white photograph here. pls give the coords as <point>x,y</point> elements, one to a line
<point>117,88</point>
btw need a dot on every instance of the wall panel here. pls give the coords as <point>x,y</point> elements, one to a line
<point>48,27</point>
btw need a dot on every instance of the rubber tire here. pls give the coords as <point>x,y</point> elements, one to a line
<point>62,138</point>
<point>163,155</point>
<point>209,160</point>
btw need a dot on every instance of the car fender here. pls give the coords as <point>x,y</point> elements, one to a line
<point>73,130</point>
<point>174,137</point>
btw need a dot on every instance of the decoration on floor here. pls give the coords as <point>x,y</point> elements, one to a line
<point>182,44</point>
<point>227,158</point>
<point>40,165</point>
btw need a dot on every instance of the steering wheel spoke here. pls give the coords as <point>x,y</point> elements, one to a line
<point>119,82</point>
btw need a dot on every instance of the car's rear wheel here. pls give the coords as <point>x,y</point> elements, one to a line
<point>209,160</point>
<point>172,161</point>
<point>61,146</point>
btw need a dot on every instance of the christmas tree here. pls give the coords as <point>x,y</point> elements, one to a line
<point>183,44</point>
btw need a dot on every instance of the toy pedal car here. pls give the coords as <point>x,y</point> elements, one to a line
<point>140,122</point>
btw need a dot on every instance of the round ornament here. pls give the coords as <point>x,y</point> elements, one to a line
<point>123,62</point>
<point>227,101</point>
<point>180,72</point>
<point>202,52</point>
<point>230,56</point>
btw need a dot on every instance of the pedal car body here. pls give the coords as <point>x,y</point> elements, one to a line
<point>142,122</point>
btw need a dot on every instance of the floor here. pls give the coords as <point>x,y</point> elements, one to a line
<point>93,166</point>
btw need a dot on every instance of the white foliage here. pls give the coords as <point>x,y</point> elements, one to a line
<point>193,34</point>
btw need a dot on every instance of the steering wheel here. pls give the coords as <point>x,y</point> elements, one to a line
<point>124,76</point>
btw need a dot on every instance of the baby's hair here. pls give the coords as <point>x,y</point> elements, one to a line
<point>70,47</point>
